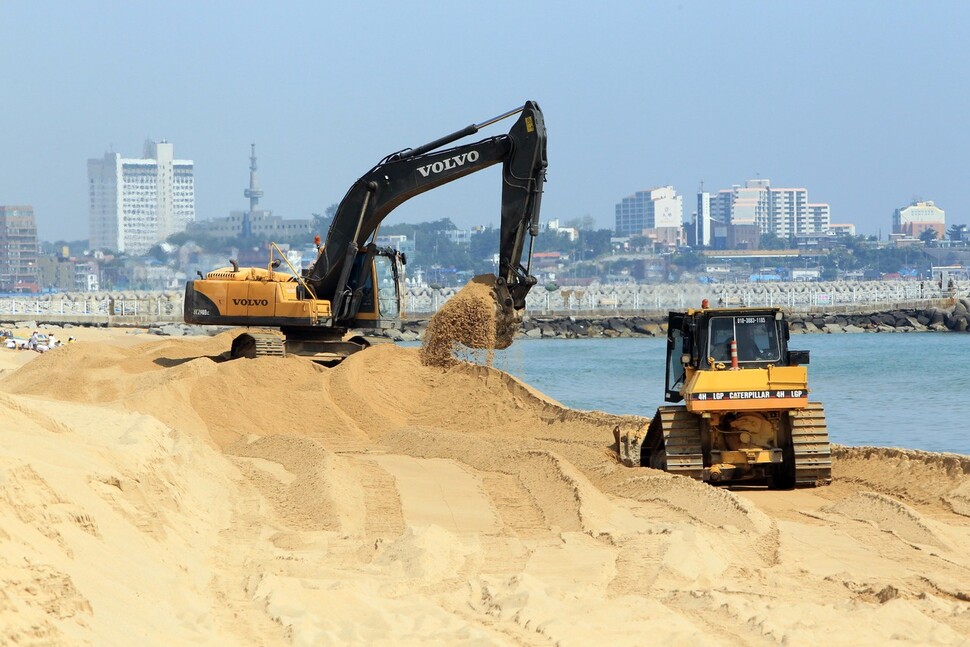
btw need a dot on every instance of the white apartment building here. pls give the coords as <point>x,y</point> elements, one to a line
<point>653,209</point>
<point>137,203</point>
<point>751,204</point>
<point>556,227</point>
<point>784,212</point>
<point>841,229</point>
<point>819,217</point>
<point>788,212</point>
<point>400,242</point>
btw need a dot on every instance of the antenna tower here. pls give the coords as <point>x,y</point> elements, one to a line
<point>253,193</point>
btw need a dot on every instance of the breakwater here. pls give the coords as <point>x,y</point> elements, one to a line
<point>596,311</point>
<point>944,317</point>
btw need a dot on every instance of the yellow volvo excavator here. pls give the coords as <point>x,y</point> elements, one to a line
<point>354,285</point>
<point>746,417</point>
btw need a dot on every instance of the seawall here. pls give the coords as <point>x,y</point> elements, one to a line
<point>954,317</point>
<point>597,312</point>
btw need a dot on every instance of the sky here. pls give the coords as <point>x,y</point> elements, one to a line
<point>865,104</point>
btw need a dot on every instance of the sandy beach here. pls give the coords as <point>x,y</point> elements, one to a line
<point>152,493</point>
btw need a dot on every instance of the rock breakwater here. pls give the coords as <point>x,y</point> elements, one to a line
<point>952,318</point>
<point>955,318</point>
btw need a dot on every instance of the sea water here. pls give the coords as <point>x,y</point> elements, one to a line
<point>909,390</point>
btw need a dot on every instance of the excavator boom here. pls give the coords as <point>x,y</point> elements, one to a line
<point>406,174</point>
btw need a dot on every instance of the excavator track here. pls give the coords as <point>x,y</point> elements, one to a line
<point>674,443</point>
<point>813,453</point>
<point>258,344</point>
<point>269,345</point>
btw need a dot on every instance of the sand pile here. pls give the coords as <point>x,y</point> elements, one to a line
<point>468,322</point>
<point>156,494</point>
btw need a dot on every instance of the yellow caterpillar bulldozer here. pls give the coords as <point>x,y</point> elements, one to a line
<point>745,416</point>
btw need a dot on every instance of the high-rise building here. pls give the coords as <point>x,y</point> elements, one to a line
<point>18,249</point>
<point>918,217</point>
<point>751,204</point>
<point>784,212</point>
<point>818,217</point>
<point>136,203</point>
<point>655,209</point>
<point>703,219</point>
<point>787,213</point>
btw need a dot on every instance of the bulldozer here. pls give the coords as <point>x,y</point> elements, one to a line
<point>740,412</point>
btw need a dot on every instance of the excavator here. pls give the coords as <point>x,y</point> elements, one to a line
<point>354,286</point>
<point>745,417</point>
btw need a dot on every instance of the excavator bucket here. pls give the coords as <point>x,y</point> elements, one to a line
<point>480,317</point>
<point>507,318</point>
<point>496,305</point>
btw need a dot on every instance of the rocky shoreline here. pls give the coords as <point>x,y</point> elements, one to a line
<point>955,318</point>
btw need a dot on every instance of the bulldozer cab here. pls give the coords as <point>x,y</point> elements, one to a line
<point>680,346</point>
<point>755,336</point>
<point>702,340</point>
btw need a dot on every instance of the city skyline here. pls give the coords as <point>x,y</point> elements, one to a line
<point>868,116</point>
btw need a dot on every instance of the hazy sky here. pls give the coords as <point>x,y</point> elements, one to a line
<point>867,104</point>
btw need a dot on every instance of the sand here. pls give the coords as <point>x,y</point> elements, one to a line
<point>469,327</point>
<point>153,494</point>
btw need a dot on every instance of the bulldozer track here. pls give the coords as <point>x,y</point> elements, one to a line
<point>680,445</point>
<point>813,453</point>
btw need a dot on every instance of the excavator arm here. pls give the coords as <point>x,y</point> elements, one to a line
<point>405,174</point>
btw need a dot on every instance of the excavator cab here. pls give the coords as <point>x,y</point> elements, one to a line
<point>378,287</point>
<point>389,284</point>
